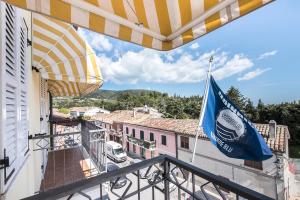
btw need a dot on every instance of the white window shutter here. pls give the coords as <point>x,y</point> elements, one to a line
<point>23,75</point>
<point>11,85</point>
<point>14,69</point>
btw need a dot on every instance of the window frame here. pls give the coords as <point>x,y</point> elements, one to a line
<point>133,148</point>
<point>142,133</point>
<point>161,137</point>
<point>184,144</point>
<point>133,132</point>
<point>254,164</point>
<point>152,138</point>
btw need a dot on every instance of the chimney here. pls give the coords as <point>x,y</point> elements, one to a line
<point>272,129</point>
<point>134,112</point>
<point>145,108</point>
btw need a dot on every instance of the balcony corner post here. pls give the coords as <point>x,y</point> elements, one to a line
<point>166,179</point>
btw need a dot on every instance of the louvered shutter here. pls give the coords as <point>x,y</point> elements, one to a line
<point>10,83</point>
<point>23,75</point>
<point>14,92</point>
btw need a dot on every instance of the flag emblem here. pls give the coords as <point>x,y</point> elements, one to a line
<point>229,126</point>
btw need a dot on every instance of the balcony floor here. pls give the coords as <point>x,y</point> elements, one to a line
<point>66,166</point>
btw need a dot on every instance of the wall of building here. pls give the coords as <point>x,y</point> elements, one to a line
<point>169,149</point>
<point>209,158</point>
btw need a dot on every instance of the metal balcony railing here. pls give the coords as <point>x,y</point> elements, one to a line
<point>143,143</point>
<point>74,151</point>
<point>162,177</point>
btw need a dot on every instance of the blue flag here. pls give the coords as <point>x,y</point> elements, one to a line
<point>228,129</point>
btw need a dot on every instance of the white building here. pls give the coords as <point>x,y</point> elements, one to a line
<point>86,111</point>
<point>148,110</point>
<point>32,67</point>
<point>269,177</point>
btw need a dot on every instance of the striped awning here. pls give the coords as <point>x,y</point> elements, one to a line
<point>63,58</point>
<point>157,24</point>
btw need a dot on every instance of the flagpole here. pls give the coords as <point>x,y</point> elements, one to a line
<point>202,107</point>
<point>204,99</point>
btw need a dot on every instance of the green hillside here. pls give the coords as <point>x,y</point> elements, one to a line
<point>116,94</point>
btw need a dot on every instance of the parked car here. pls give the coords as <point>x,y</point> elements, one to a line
<point>115,151</point>
<point>122,180</point>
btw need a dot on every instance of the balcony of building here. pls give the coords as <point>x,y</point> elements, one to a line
<point>149,145</point>
<point>74,151</point>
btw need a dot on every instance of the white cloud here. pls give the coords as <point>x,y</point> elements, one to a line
<point>194,45</point>
<point>267,54</point>
<point>253,74</point>
<point>151,66</point>
<point>235,65</point>
<point>98,42</point>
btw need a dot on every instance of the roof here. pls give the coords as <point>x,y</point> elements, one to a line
<point>157,24</point>
<point>82,109</point>
<point>122,116</point>
<point>59,114</point>
<point>189,126</point>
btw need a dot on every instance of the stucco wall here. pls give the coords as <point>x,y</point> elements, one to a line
<point>209,158</point>
<point>169,149</point>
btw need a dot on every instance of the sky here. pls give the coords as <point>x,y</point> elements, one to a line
<point>259,54</point>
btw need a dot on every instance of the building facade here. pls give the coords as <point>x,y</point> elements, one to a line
<point>147,142</point>
<point>269,177</point>
<point>25,96</point>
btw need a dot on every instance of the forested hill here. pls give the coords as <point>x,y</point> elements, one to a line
<point>116,94</point>
<point>189,107</point>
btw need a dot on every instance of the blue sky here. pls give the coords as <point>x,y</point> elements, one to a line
<point>258,53</point>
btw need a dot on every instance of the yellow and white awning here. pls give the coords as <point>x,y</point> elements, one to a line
<point>157,24</point>
<point>63,58</point>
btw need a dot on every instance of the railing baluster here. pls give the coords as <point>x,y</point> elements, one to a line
<point>101,195</point>
<point>166,180</point>
<point>193,185</point>
<point>153,194</point>
<point>138,177</point>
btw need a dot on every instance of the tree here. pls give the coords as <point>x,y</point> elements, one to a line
<point>235,95</point>
<point>250,111</point>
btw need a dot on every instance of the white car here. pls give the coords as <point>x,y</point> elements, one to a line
<point>115,151</point>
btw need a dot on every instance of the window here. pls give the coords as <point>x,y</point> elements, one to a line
<point>133,132</point>
<point>142,135</point>
<point>184,142</point>
<point>127,131</point>
<point>134,150</point>
<point>14,91</point>
<point>151,136</point>
<point>164,140</point>
<point>253,164</point>
<point>142,152</point>
<point>152,154</point>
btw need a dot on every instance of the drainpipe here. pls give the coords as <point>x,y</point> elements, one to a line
<point>176,143</point>
<point>51,119</point>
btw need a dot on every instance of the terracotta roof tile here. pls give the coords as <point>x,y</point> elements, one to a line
<point>122,116</point>
<point>189,126</point>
